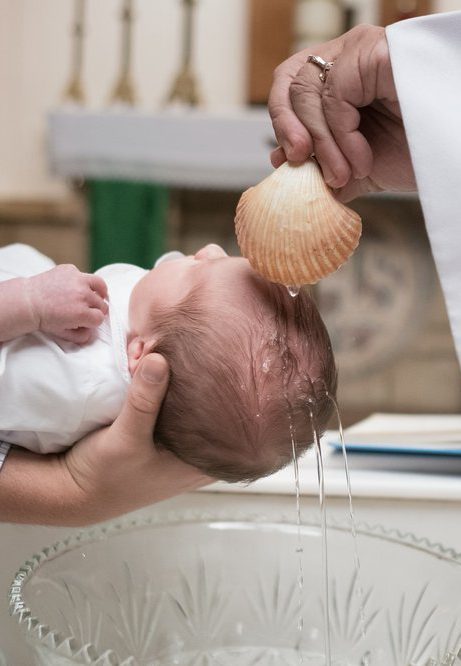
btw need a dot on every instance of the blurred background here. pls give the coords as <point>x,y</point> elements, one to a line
<point>131,127</point>
<point>128,128</point>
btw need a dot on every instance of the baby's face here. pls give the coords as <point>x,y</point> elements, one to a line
<point>229,282</point>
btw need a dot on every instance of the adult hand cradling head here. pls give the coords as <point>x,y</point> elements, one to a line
<point>110,471</point>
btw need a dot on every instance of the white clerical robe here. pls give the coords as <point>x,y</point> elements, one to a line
<point>426,61</point>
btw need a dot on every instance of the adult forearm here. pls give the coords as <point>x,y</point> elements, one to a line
<point>16,313</point>
<point>36,489</point>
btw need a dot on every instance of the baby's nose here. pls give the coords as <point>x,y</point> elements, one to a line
<point>210,251</point>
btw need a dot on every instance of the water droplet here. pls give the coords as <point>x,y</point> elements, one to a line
<point>293,290</point>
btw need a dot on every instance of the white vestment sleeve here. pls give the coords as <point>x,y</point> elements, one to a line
<point>426,61</point>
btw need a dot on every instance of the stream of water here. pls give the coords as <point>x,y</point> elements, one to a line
<point>294,291</point>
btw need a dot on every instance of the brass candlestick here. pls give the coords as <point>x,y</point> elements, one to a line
<point>185,89</point>
<point>124,88</point>
<point>74,89</point>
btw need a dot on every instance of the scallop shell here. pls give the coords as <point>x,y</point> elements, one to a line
<point>292,229</point>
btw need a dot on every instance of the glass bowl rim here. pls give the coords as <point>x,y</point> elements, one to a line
<point>69,647</point>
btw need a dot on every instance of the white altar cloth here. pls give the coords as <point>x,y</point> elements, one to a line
<point>191,149</point>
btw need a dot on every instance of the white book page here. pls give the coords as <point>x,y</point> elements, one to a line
<point>423,430</point>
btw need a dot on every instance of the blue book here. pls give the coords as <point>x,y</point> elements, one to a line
<point>410,434</point>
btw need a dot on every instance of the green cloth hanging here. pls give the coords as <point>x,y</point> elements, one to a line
<point>128,222</point>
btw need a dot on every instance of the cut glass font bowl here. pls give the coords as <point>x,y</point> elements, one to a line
<point>191,589</point>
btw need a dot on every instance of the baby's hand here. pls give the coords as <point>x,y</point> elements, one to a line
<point>67,303</point>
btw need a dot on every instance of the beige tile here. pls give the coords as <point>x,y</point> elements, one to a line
<point>56,228</point>
<point>427,385</point>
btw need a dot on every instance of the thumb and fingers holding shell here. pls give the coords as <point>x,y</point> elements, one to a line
<point>290,226</point>
<point>329,110</point>
<point>278,157</point>
<point>311,116</point>
<point>306,98</point>
<point>361,74</point>
<point>291,134</point>
<point>293,102</point>
<point>344,121</point>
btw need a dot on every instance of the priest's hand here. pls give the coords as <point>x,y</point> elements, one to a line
<point>351,122</point>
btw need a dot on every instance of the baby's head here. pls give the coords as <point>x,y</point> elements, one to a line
<point>251,367</point>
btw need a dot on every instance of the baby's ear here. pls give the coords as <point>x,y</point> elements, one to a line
<point>136,350</point>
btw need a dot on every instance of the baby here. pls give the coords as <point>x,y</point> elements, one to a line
<point>251,367</point>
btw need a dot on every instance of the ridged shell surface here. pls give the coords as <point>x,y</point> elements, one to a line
<point>292,229</point>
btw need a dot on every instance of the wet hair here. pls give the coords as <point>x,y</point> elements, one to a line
<point>242,389</point>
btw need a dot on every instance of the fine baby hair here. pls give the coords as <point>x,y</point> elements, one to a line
<point>239,391</point>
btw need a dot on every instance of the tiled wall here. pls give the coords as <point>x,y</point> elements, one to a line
<point>56,228</point>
